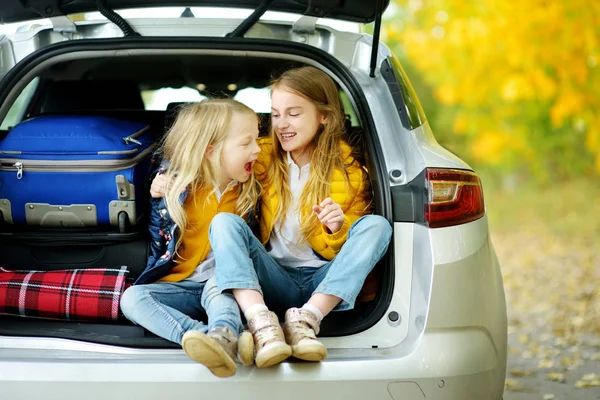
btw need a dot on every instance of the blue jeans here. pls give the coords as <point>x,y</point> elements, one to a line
<point>169,309</point>
<point>243,263</point>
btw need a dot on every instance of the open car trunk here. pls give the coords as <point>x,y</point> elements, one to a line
<point>92,78</point>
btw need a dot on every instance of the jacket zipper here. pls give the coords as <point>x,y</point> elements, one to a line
<point>21,166</point>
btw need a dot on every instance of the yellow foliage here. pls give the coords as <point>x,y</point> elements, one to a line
<point>517,87</point>
<point>568,104</point>
<point>446,94</point>
<point>592,142</point>
<point>460,124</point>
<point>391,33</point>
<point>535,64</point>
<point>544,85</point>
<point>489,147</point>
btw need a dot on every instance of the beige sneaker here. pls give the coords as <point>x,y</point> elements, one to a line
<point>216,350</point>
<point>301,329</point>
<point>245,348</point>
<point>269,341</point>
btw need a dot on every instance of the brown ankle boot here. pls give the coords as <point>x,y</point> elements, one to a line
<point>269,341</point>
<point>216,350</point>
<point>301,329</point>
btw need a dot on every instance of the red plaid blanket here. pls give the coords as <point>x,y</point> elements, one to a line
<point>77,295</point>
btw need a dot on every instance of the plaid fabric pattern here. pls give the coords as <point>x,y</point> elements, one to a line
<point>75,295</point>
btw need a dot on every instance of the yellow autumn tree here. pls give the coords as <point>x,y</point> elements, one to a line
<point>517,84</point>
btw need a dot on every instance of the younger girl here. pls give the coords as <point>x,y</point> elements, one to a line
<point>316,244</point>
<point>210,150</point>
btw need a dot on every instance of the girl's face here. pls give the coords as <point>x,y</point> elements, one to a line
<point>296,122</point>
<point>240,149</point>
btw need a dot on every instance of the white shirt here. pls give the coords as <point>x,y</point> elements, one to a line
<point>287,245</point>
<point>205,270</point>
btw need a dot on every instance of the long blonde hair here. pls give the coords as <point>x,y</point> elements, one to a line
<point>197,127</point>
<point>317,87</point>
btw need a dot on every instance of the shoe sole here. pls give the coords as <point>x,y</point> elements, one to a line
<point>272,354</point>
<point>206,351</point>
<point>309,352</point>
<point>245,349</point>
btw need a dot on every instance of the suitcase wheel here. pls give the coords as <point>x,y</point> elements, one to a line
<point>123,220</point>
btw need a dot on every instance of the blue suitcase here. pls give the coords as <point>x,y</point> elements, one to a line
<point>75,171</point>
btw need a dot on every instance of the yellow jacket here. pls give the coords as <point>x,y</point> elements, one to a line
<point>354,206</point>
<point>200,208</point>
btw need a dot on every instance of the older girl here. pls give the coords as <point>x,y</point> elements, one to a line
<point>317,244</point>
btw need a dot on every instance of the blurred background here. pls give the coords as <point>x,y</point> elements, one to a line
<point>513,88</point>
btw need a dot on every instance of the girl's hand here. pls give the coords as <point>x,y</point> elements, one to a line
<point>330,214</point>
<point>159,186</point>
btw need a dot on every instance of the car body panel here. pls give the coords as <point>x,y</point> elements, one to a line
<point>440,356</point>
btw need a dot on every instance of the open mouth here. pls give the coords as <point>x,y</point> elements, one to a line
<point>287,135</point>
<point>248,167</point>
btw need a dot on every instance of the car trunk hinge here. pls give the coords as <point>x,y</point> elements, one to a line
<point>249,22</point>
<point>376,33</point>
<point>115,18</point>
<point>305,24</point>
<point>51,9</point>
<point>62,24</point>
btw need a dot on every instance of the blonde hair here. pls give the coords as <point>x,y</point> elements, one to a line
<point>197,127</point>
<point>317,87</point>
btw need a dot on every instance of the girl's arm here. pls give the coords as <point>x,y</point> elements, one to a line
<point>357,204</point>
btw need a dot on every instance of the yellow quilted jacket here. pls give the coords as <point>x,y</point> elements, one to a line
<point>201,207</point>
<point>354,206</point>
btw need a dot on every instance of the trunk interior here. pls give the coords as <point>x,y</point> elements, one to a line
<point>130,87</point>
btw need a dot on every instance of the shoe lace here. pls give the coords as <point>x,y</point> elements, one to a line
<point>301,330</point>
<point>267,335</point>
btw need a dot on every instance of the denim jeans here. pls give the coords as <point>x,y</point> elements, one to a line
<point>169,309</point>
<point>242,262</point>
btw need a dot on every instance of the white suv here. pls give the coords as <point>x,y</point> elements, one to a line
<point>436,329</point>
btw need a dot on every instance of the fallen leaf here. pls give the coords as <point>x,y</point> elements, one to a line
<point>556,377</point>
<point>516,351</point>
<point>587,384</point>
<point>523,339</point>
<point>527,354</point>
<point>514,386</point>
<point>519,373</point>
<point>510,384</point>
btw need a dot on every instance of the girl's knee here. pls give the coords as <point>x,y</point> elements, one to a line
<point>382,225</point>
<point>131,298</point>
<point>225,220</point>
<point>376,225</point>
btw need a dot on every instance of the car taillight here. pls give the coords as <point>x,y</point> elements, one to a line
<point>454,197</point>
